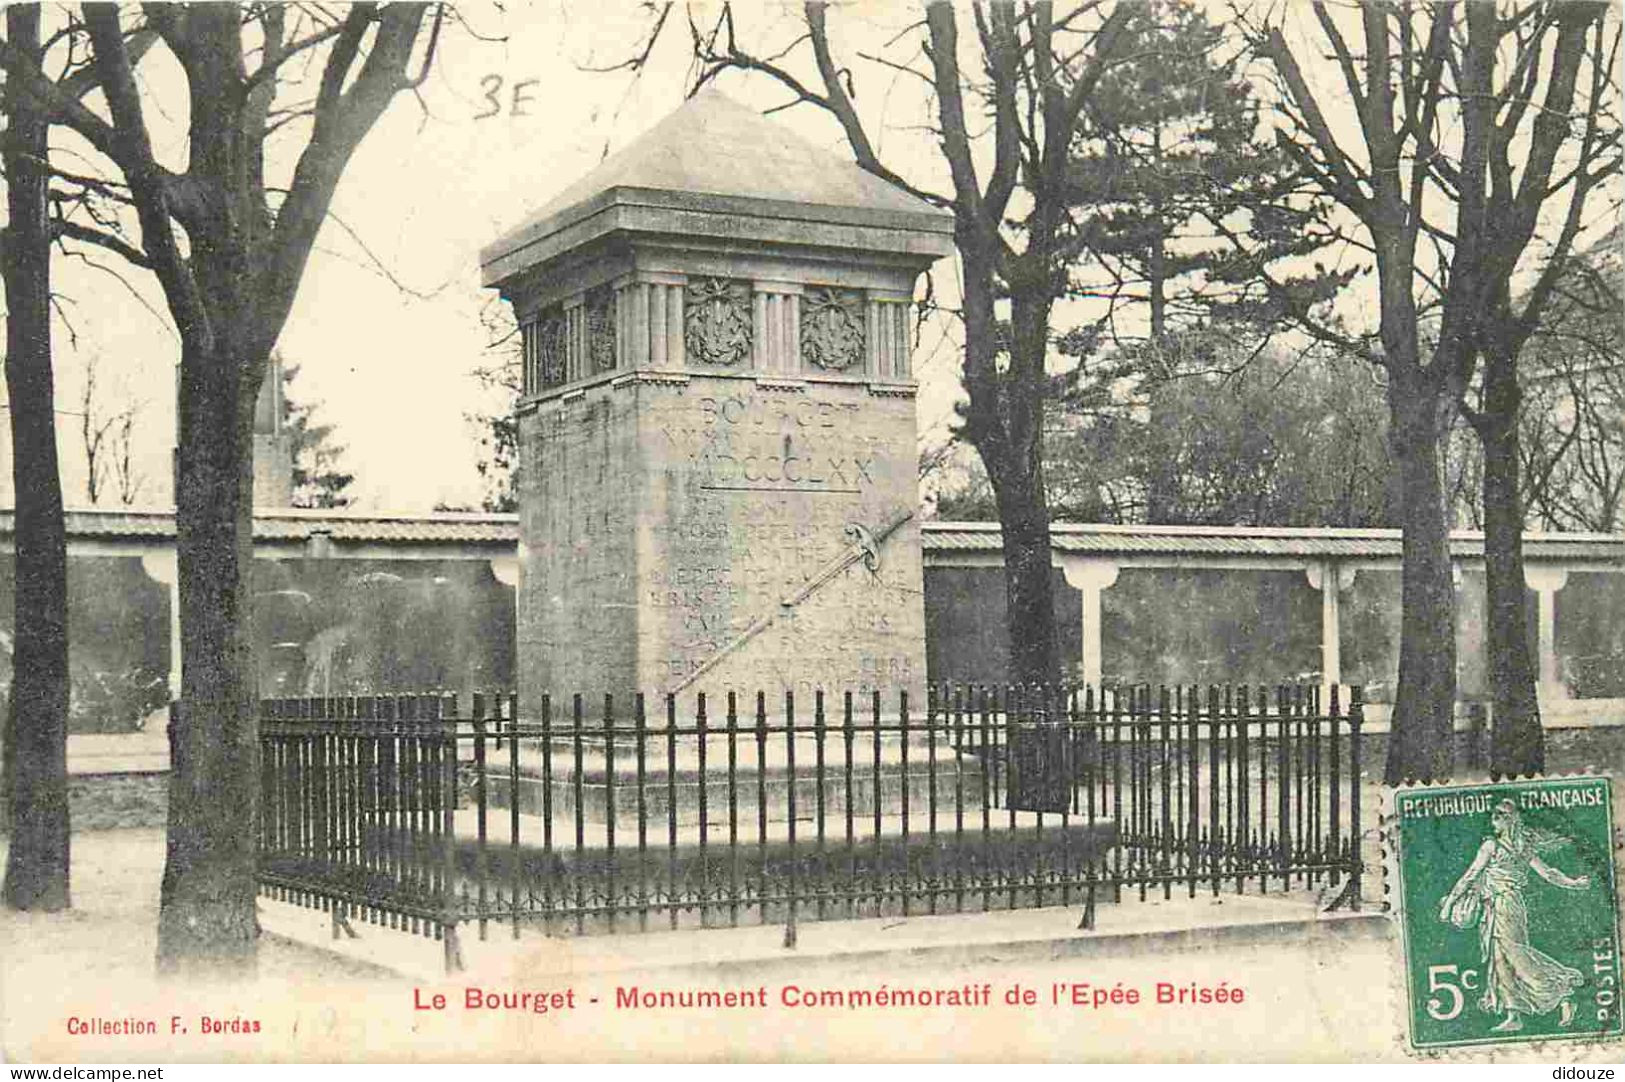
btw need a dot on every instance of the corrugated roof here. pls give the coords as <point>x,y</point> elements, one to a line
<point>300,525</point>
<point>1256,541</point>
<point>444,528</point>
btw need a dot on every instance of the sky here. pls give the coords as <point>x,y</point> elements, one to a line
<point>387,329</point>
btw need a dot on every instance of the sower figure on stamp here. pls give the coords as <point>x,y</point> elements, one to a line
<point>1518,979</point>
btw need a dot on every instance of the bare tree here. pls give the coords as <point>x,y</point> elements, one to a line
<point>1575,109</point>
<point>129,480</point>
<point>1573,428</point>
<point>107,437</point>
<point>1463,113</point>
<point>36,726</point>
<point>496,432</point>
<point>229,289</point>
<point>34,780</point>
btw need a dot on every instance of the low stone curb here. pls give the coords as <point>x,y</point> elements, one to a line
<point>1036,948</point>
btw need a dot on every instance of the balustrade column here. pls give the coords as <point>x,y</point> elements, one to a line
<point>623,321</point>
<point>640,324</point>
<point>580,339</point>
<point>1090,577</point>
<point>792,323</point>
<point>657,324</point>
<point>161,567</point>
<point>777,330</point>
<point>676,351</point>
<point>887,327</point>
<point>574,355</point>
<point>532,379</point>
<point>759,350</point>
<point>1332,578</point>
<point>1546,582</point>
<point>648,322</point>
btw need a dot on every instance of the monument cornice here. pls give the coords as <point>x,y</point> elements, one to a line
<point>627,236</point>
<point>919,236</point>
<point>567,393</point>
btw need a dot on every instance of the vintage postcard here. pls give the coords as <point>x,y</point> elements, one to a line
<point>811,532</point>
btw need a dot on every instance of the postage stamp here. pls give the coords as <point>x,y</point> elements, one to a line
<point>1508,904</point>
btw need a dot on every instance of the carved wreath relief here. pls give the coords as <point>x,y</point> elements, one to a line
<point>601,329</point>
<point>832,328</point>
<point>716,321</point>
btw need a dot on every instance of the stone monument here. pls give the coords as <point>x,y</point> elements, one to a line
<point>273,443</point>
<point>717,422</point>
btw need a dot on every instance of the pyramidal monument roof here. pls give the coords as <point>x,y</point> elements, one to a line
<point>714,154</point>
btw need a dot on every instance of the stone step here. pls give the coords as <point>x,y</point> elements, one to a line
<point>956,780</point>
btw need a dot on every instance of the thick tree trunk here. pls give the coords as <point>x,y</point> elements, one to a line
<point>1015,467</point>
<point>36,743</point>
<point>1517,745</point>
<point>207,904</point>
<point>1004,422</point>
<point>1162,487</point>
<point>1028,578</point>
<point>1158,276</point>
<point>1419,745</point>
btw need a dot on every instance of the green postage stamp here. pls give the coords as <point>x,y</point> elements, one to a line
<point>1509,911</point>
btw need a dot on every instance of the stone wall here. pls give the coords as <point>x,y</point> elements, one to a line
<point>359,627</point>
<point>118,636</point>
<point>321,627</point>
<point>1198,625</point>
<point>1590,634</point>
<point>966,640</point>
<point>352,625</point>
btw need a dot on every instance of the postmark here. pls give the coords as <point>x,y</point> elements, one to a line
<point>1508,905</point>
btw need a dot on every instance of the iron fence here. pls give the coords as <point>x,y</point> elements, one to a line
<point>610,816</point>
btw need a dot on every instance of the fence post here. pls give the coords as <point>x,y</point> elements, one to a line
<point>515,866</point>
<point>1335,772</point>
<point>478,712</point>
<point>1350,895</point>
<point>578,795</point>
<point>641,718</point>
<point>346,745</point>
<point>818,795</point>
<point>790,769</point>
<point>1165,860</point>
<point>1283,786</point>
<point>550,859</point>
<point>1193,810</point>
<point>902,750</point>
<point>1356,720</point>
<point>701,736</point>
<point>611,898</point>
<point>447,739</point>
<point>268,774</point>
<point>1092,745</point>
